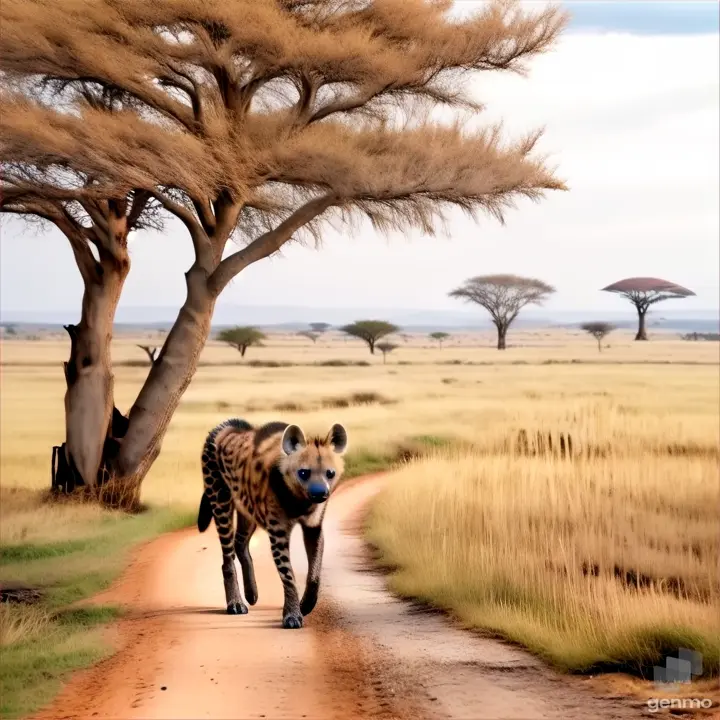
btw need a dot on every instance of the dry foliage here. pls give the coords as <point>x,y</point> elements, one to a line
<point>251,116</point>
<point>503,296</point>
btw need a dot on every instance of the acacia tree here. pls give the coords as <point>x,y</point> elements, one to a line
<point>310,335</point>
<point>440,337</point>
<point>503,296</point>
<point>252,120</point>
<point>319,327</point>
<point>385,348</point>
<point>369,331</point>
<point>599,330</point>
<point>242,338</point>
<point>643,292</point>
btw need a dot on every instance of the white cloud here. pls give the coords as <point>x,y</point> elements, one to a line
<point>632,123</point>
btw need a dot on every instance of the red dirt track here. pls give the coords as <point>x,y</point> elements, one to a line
<point>361,654</point>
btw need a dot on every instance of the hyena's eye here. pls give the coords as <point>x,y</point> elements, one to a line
<point>330,474</point>
<point>303,474</point>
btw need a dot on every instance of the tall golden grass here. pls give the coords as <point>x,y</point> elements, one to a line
<point>602,563</point>
<point>600,550</point>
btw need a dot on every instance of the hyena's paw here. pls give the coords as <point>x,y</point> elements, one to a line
<point>237,608</point>
<point>309,600</point>
<point>292,621</point>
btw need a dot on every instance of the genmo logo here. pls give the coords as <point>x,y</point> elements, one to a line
<point>655,704</point>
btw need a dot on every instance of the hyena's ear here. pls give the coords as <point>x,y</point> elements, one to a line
<point>293,439</point>
<point>337,437</point>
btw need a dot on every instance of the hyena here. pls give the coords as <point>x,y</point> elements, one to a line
<point>273,477</point>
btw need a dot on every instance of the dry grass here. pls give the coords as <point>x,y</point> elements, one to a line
<point>22,622</point>
<point>591,564</point>
<point>509,535</point>
<point>485,405</point>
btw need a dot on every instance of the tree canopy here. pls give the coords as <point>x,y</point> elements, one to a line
<point>439,336</point>
<point>370,331</point>
<point>232,115</point>
<point>643,292</point>
<point>242,337</point>
<point>599,330</point>
<point>503,296</point>
<point>385,348</point>
<point>319,327</point>
<point>310,335</point>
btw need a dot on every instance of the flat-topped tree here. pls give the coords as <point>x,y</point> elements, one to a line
<point>310,335</point>
<point>503,296</point>
<point>385,348</point>
<point>643,292</point>
<point>369,331</point>
<point>256,120</point>
<point>320,327</point>
<point>599,330</point>
<point>440,337</point>
<point>242,338</point>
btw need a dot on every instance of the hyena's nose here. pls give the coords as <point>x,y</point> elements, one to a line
<point>318,492</point>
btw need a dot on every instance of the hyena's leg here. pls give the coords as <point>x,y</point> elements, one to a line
<point>223,510</point>
<point>243,532</point>
<point>314,544</point>
<point>280,545</point>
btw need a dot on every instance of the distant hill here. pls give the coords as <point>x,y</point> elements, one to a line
<point>291,319</point>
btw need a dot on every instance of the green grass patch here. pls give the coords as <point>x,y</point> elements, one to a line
<point>44,642</point>
<point>27,552</point>
<point>365,461</point>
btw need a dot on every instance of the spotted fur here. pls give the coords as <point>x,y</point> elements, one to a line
<point>271,477</point>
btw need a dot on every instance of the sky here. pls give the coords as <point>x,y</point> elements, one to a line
<point>630,100</point>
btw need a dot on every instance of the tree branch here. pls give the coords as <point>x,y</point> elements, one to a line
<point>140,200</point>
<point>199,238</point>
<point>347,104</point>
<point>268,243</point>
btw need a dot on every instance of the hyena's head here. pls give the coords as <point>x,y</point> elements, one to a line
<point>313,466</point>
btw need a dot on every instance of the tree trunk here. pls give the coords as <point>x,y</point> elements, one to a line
<point>243,349</point>
<point>159,397</point>
<point>641,333</point>
<point>502,332</point>
<point>384,358</point>
<point>371,344</point>
<point>599,342</point>
<point>89,399</point>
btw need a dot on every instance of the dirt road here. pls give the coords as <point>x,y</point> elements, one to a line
<point>361,654</point>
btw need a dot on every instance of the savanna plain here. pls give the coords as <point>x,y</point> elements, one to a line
<point>559,497</point>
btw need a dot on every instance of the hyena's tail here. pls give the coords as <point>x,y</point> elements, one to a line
<point>205,514</point>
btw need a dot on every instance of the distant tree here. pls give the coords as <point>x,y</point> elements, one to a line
<point>440,337</point>
<point>643,292</point>
<point>370,331</point>
<point>242,338</point>
<point>262,121</point>
<point>318,327</point>
<point>695,336</point>
<point>310,335</point>
<point>503,296</point>
<point>599,330</point>
<point>151,352</point>
<point>10,329</point>
<point>385,348</point>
